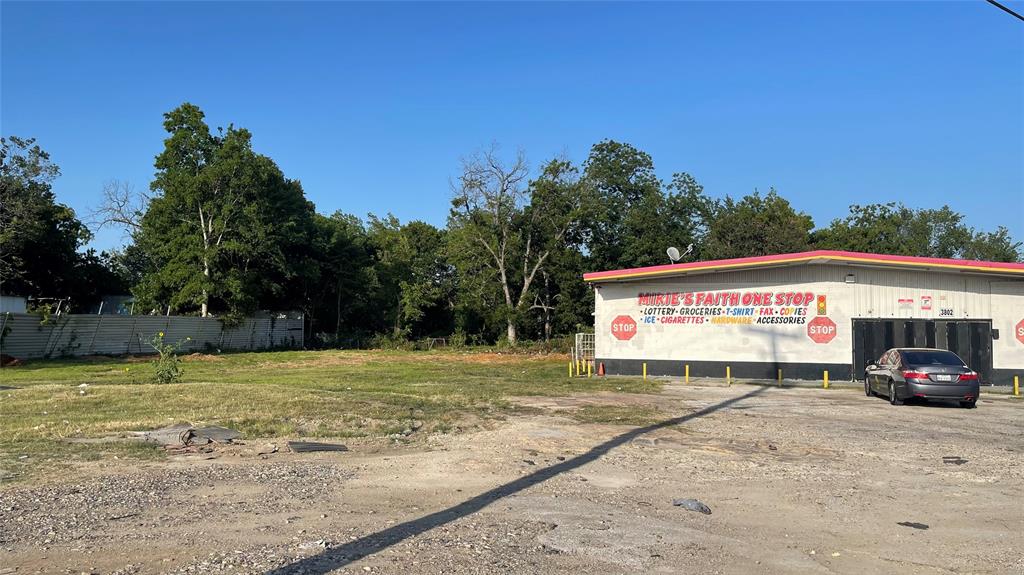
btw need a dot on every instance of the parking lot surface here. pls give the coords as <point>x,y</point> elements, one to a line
<point>797,480</point>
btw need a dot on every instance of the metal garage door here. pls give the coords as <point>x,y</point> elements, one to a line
<point>970,339</point>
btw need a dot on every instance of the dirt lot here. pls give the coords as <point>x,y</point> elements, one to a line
<point>798,481</point>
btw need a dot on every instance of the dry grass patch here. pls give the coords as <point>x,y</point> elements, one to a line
<point>271,395</point>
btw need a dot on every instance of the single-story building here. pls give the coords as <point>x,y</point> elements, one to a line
<point>805,313</point>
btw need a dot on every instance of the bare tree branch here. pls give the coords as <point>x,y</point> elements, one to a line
<point>122,206</point>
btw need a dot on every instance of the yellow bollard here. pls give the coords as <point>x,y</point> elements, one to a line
<point>687,373</point>
<point>1016,386</point>
<point>645,371</point>
<point>570,369</point>
<point>826,379</point>
<point>780,377</point>
<point>728,375</point>
<point>590,367</point>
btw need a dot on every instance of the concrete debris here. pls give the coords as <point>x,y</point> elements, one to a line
<point>953,460</point>
<point>692,505</point>
<point>311,446</point>
<point>913,525</point>
<point>183,434</point>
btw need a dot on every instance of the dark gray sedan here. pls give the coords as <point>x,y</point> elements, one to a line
<point>904,373</point>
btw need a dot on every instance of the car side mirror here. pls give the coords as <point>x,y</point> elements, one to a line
<point>871,366</point>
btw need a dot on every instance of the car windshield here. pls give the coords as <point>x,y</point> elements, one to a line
<point>937,357</point>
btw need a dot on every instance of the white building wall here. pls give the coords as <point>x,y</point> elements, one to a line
<point>875,293</point>
<point>1007,302</point>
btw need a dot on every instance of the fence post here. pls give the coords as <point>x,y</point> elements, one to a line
<point>92,344</point>
<point>135,320</point>
<point>252,332</point>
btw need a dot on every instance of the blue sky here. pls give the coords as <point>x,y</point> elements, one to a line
<point>372,105</point>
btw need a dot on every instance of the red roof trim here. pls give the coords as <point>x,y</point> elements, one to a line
<point>910,261</point>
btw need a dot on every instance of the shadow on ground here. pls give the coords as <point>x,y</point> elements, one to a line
<point>340,556</point>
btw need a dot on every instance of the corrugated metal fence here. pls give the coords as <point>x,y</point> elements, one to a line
<point>75,334</point>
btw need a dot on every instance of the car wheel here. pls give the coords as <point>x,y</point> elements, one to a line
<point>892,395</point>
<point>867,387</point>
<point>969,404</point>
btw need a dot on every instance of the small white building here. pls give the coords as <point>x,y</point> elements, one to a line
<point>805,313</point>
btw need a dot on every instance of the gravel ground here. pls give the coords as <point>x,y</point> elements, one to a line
<point>798,481</point>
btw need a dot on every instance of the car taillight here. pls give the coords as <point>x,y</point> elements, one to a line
<point>969,376</point>
<point>915,375</point>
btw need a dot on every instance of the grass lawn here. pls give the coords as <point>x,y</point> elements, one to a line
<point>271,394</point>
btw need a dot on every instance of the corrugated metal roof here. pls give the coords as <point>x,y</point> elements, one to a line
<point>810,258</point>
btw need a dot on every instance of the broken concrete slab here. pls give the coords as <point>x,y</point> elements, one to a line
<point>185,434</point>
<point>311,446</point>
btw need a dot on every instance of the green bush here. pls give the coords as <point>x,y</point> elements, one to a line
<point>391,342</point>
<point>167,365</point>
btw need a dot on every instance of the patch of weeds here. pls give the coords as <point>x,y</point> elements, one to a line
<point>167,366</point>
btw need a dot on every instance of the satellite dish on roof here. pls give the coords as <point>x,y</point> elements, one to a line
<point>673,254</point>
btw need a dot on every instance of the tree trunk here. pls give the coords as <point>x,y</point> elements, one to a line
<point>206,297</point>
<point>511,332</point>
<point>337,317</point>
<point>398,318</point>
<point>206,262</point>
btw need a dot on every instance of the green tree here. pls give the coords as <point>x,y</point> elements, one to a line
<point>633,219</point>
<point>338,291</point>
<point>894,228</point>
<point>995,246</point>
<point>39,237</point>
<point>503,231</point>
<point>413,276</point>
<point>623,222</point>
<point>562,303</point>
<point>224,226</point>
<point>756,225</point>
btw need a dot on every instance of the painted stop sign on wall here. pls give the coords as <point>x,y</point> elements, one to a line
<point>623,327</point>
<point>1019,330</point>
<point>821,329</point>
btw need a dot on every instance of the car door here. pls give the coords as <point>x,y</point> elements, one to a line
<point>875,374</point>
<point>884,371</point>
<point>892,366</point>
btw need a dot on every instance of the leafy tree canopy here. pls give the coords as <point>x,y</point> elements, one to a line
<point>896,229</point>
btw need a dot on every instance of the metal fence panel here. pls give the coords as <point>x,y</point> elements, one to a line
<point>26,337</point>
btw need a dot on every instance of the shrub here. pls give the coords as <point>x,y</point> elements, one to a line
<point>458,340</point>
<point>167,365</point>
